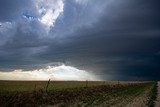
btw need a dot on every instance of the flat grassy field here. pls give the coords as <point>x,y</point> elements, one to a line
<point>13,86</point>
<point>77,94</point>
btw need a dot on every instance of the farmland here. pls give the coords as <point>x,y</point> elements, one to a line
<point>77,93</point>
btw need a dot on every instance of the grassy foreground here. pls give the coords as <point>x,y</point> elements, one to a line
<point>64,94</point>
<point>19,86</point>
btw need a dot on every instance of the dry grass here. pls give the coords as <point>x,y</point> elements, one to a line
<point>74,93</point>
<point>14,86</point>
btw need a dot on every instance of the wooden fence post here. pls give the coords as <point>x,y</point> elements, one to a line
<point>47,84</point>
<point>86,83</point>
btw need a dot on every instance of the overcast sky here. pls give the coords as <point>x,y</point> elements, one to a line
<point>112,39</point>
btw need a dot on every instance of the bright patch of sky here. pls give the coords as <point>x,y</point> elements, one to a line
<point>61,72</point>
<point>49,11</point>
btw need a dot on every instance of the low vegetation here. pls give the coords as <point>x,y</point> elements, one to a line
<point>19,86</point>
<point>64,94</point>
<point>152,95</point>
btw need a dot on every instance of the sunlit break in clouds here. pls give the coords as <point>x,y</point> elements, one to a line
<point>51,72</point>
<point>49,11</point>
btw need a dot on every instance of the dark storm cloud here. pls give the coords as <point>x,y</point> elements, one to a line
<point>122,43</point>
<point>19,51</point>
<point>10,10</point>
<point>29,38</point>
<point>120,40</point>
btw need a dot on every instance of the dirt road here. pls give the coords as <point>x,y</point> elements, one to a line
<point>158,96</point>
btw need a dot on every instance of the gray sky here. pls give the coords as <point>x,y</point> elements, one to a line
<point>114,39</point>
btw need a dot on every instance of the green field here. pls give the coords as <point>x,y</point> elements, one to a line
<point>13,86</point>
<point>77,93</point>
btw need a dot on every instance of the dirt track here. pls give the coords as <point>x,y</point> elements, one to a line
<point>158,96</point>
